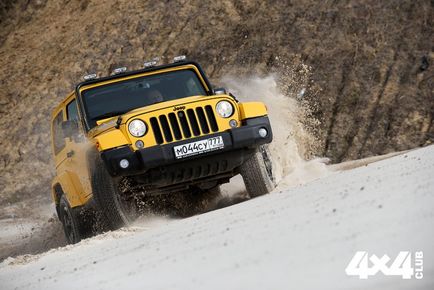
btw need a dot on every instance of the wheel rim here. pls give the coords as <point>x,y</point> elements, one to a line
<point>268,163</point>
<point>67,225</point>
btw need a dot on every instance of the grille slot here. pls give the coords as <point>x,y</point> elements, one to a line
<point>165,127</point>
<point>175,126</point>
<point>156,129</point>
<point>183,124</point>
<point>211,118</point>
<point>193,122</point>
<point>202,120</point>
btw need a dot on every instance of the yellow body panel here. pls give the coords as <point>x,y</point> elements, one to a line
<point>73,174</point>
<point>252,109</point>
<point>72,188</point>
<point>111,139</point>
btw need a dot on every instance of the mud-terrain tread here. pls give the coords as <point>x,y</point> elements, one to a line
<point>255,175</point>
<point>104,192</point>
<point>78,229</point>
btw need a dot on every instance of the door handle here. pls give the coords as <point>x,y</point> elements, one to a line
<point>70,154</point>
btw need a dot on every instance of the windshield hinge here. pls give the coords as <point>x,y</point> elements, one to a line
<point>118,122</point>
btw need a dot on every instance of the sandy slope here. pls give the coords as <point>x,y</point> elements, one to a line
<point>298,238</point>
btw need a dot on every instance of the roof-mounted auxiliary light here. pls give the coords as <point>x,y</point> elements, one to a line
<point>152,62</point>
<point>179,58</point>
<point>119,70</point>
<point>89,77</point>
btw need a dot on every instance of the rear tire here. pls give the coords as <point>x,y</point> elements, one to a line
<point>73,227</point>
<point>257,173</point>
<point>115,208</point>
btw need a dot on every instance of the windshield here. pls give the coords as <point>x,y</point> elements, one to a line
<point>120,97</point>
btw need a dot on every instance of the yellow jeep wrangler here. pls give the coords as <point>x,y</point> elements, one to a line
<point>162,130</point>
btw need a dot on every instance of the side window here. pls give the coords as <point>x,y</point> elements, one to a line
<point>58,138</point>
<point>71,110</point>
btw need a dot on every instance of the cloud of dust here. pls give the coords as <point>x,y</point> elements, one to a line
<point>292,143</point>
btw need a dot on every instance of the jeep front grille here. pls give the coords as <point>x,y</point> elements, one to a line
<point>184,124</point>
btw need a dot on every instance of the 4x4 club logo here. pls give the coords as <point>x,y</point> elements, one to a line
<point>364,266</point>
<point>179,108</point>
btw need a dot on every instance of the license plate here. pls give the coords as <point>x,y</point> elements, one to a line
<point>198,147</point>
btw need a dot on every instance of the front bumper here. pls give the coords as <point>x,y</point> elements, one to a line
<point>140,161</point>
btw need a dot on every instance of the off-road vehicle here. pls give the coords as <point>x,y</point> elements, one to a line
<point>159,131</point>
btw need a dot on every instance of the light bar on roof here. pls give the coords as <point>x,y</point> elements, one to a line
<point>151,63</point>
<point>179,58</point>
<point>119,70</point>
<point>89,77</point>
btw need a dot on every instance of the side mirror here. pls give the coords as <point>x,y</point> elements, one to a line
<point>220,91</point>
<point>70,128</point>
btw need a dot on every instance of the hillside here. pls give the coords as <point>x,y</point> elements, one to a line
<point>369,83</point>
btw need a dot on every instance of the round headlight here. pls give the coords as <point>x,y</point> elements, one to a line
<point>137,128</point>
<point>224,109</point>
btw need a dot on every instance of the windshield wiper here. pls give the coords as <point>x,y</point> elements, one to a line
<point>108,115</point>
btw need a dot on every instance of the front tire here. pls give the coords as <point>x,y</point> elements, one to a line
<point>257,173</point>
<point>116,208</point>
